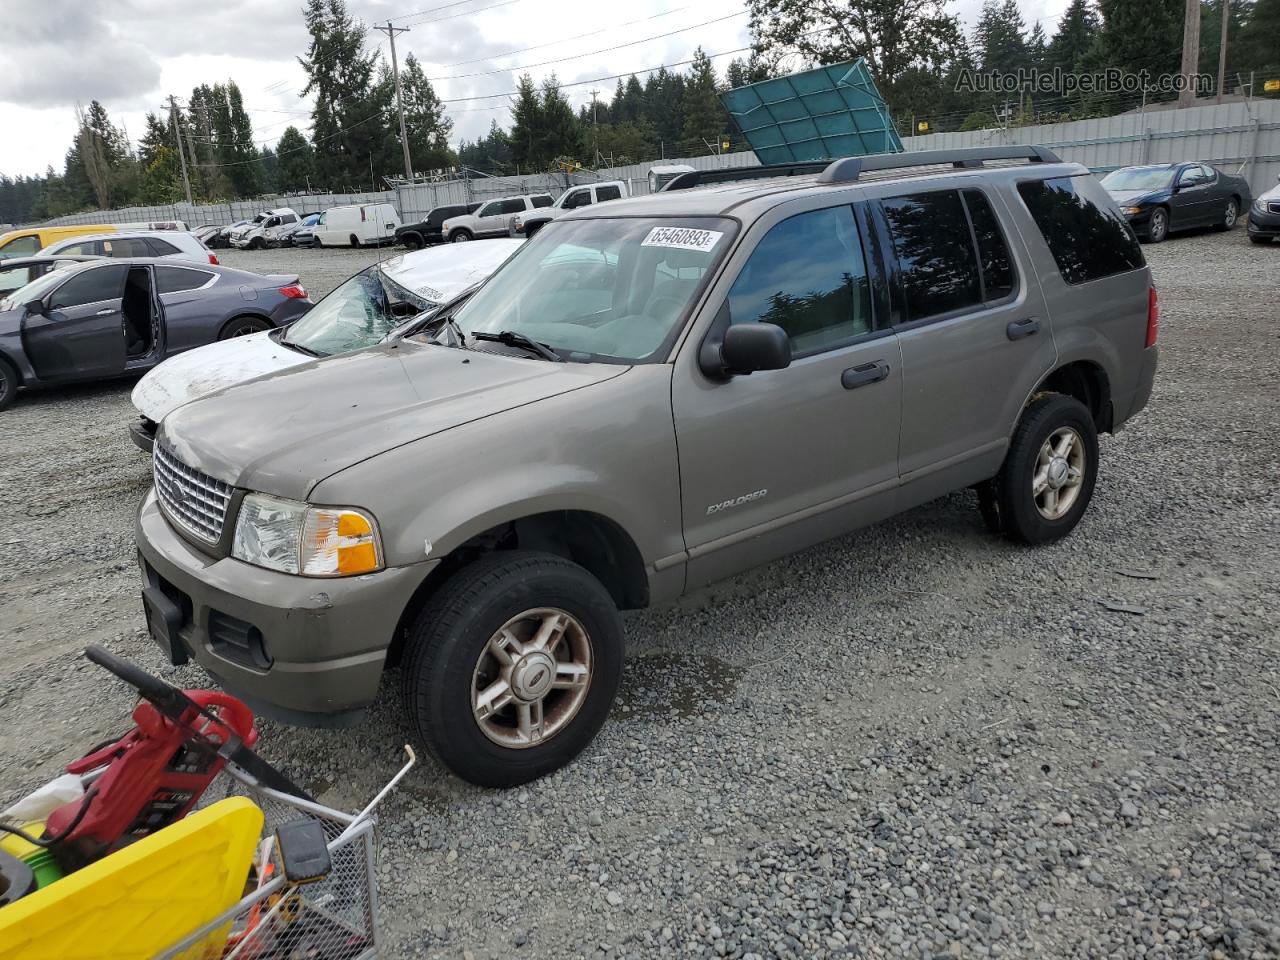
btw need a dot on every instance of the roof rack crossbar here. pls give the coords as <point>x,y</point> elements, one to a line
<point>698,178</point>
<point>848,169</point>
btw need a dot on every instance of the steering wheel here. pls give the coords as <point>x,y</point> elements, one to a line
<point>652,309</point>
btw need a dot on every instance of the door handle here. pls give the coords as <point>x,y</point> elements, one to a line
<point>860,376</point>
<point>1022,328</point>
<point>106,312</point>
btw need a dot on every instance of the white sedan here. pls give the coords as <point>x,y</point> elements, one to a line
<point>361,312</point>
<point>162,244</point>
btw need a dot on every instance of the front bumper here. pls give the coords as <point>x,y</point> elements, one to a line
<point>1264,224</point>
<point>1141,220</point>
<point>304,650</point>
<point>240,243</point>
<point>143,434</point>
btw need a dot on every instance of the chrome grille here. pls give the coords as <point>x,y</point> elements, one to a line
<point>1273,206</point>
<point>193,500</point>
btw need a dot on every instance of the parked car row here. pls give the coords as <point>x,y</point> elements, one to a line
<point>1161,198</point>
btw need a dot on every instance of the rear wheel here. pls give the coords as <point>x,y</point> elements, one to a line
<point>1158,226</point>
<point>1230,215</point>
<point>512,667</point>
<point>242,327</point>
<point>355,241</point>
<point>1047,480</point>
<point>8,384</point>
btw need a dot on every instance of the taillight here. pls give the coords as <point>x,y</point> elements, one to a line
<point>1153,316</point>
<point>213,259</point>
<point>295,291</point>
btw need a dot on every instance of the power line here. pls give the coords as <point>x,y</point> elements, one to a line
<point>592,53</point>
<point>464,13</point>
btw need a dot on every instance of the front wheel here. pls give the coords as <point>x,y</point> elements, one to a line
<point>460,236</point>
<point>258,244</point>
<point>1047,480</point>
<point>1229,216</point>
<point>512,667</point>
<point>1158,227</point>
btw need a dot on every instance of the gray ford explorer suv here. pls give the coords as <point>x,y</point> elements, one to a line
<point>650,395</point>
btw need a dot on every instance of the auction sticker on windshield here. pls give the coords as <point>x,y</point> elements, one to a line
<point>682,238</point>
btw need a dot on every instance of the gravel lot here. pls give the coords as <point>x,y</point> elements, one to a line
<point>917,741</point>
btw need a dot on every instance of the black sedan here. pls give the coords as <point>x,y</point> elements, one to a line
<point>1160,198</point>
<point>19,271</point>
<point>109,318</point>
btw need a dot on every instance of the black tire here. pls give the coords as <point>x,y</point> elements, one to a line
<point>460,236</point>
<point>8,384</point>
<point>1230,216</point>
<point>1158,226</point>
<point>242,327</point>
<point>355,242</point>
<point>452,632</point>
<point>1019,516</point>
<point>258,244</point>
<point>1260,241</point>
<point>533,228</point>
<point>412,241</point>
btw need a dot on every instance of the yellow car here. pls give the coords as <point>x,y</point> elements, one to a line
<point>28,241</point>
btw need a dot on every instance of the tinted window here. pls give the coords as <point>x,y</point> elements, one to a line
<point>807,276</point>
<point>490,209</point>
<point>931,236</point>
<point>91,286</point>
<point>288,218</point>
<point>20,246</point>
<point>607,193</point>
<point>175,279</point>
<point>87,248</point>
<point>159,248</point>
<point>1088,239</point>
<point>997,265</point>
<point>579,198</point>
<point>542,201</point>
<point>127,247</point>
<point>512,206</point>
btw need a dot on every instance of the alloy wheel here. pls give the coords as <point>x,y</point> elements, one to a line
<point>531,678</point>
<point>1158,226</point>
<point>1059,473</point>
<point>1232,214</point>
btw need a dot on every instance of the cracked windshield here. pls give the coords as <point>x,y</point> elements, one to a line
<point>358,314</point>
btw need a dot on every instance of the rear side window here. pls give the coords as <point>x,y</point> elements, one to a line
<point>85,249</point>
<point>91,286</point>
<point>930,234</point>
<point>607,193</point>
<point>543,201</point>
<point>159,248</point>
<point>1087,238</point>
<point>993,253</point>
<point>129,247</point>
<point>807,276</point>
<point>177,279</point>
<point>512,206</point>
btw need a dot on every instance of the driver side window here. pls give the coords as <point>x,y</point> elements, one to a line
<point>91,286</point>
<point>490,209</point>
<point>807,275</point>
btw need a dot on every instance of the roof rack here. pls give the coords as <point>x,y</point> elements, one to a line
<point>848,169</point>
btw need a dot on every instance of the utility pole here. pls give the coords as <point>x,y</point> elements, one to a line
<point>177,137</point>
<point>1222,48</point>
<point>595,133</point>
<point>1190,52</point>
<point>391,32</point>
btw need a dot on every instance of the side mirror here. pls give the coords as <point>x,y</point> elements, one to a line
<point>35,308</point>
<point>746,348</point>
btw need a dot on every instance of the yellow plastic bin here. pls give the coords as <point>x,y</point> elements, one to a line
<point>144,898</point>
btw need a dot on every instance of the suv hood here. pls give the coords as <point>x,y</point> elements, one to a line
<point>285,432</point>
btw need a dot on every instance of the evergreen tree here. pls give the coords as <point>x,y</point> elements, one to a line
<point>664,96</point>
<point>1139,35</point>
<point>1037,47</point>
<point>1259,49</point>
<point>425,119</point>
<point>704,118</point>
<point>1077,33</point>
<point>294,161</point>
<point>526,122</point>
<point>560,133</point>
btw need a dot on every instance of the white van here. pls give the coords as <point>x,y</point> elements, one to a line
<point>356,225</point>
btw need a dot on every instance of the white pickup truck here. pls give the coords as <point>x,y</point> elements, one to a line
<point>493,219</point>
<point>527,224</point>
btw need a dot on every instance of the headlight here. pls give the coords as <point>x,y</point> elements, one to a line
<point>293,537</point>
<point>1131,211</point>
<point>1260,206</point>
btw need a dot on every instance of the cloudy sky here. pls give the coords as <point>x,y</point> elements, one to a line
<point>130,54</point>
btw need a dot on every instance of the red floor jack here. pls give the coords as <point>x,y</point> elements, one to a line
<point>155,773</point>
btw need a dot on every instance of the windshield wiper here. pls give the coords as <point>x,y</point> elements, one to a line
<point>284,341</point>
<point>512,339</point>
